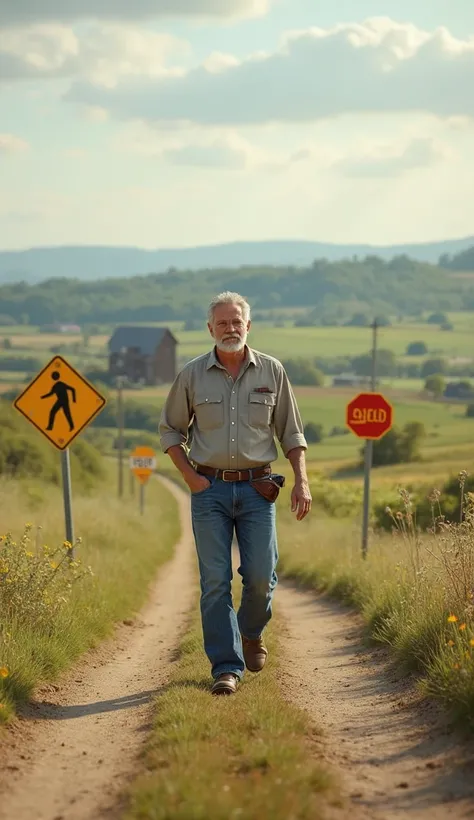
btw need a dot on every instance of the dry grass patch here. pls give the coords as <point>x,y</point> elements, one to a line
<point>50,611</point>
<point>415,592</point>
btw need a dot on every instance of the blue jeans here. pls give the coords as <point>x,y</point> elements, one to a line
<point>216,512</point>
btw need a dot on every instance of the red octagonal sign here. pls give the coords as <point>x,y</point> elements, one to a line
<point>369,415</point>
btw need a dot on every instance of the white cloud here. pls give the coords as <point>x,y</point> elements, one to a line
<point>104,53</point>
<point>11,144</point>
<point>221,149</point>
<point>393,161</point>
<point>379,65</point>
<point>27,11</point>
<point>219,155</point>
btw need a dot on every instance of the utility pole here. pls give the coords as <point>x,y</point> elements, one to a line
<point>369,447</point>
<point>120,434</point>
<point>120,417</point>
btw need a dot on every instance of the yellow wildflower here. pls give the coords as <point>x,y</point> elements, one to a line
<point>452,619</point>
<point>30,555</point>
<point>450,643</point>
<point>472,641</point>
<point>462,627</point>
<point>53,565</point>
<point>4,672</point>
<point>456,666</point>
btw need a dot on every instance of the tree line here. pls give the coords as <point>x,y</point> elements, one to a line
<point>331,289</point>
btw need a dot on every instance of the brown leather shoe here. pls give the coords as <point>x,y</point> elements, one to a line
<point>255,653</point>
<point>225,684</point>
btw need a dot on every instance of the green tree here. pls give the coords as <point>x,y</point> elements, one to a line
<point>359,320</point>
<point>386,364</point>
<point>302,372</point>
<point>437,319</point>
<point>470,411</point>
<point>435,384</point>
<point>398,446</point>
<point>416,349</point>
<point>433,366</point>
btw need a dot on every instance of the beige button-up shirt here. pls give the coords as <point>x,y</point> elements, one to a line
<point>233,423</point>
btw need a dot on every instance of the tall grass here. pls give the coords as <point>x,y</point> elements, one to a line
<point>415,592</point>
<point>51,610</point>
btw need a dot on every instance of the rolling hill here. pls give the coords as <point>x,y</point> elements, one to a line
<point>92,262</point>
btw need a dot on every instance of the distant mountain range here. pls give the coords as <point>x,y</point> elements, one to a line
<point>93,262</point>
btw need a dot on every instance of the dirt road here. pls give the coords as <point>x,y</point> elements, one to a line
<point>394,754</point>
<point>79,745</point>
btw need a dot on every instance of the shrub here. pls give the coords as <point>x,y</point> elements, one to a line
<point>470,411</point>
<point>35,583</point>
<point>398,446</point>
<point>435,385</point>
<point>432,506</point>
<point>313,432</point>
<point>24,453</point>
<point>32,365</point>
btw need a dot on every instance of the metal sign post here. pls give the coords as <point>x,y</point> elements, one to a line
<point>120,423</point>
<point>60,403</point>
<point>369,450</point>
<point>369,416</point>
<point>67,496</point>
<point>142,465</point>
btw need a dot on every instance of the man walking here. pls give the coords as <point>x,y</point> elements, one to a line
<point>237,399</point>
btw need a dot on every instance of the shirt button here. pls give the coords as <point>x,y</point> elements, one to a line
<point>233,439</point>
<point>233,408</point>
<point>233,422</point>
<point>232,456</point>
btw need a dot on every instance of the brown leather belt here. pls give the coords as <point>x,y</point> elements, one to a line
<point>234,475</point>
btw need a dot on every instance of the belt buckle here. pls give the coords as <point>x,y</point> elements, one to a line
<point>230,471</point>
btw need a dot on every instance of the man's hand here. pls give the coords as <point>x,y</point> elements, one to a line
<point>197,482</point>
<point>301,499</point>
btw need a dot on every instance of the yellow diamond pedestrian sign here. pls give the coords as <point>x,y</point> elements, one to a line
<point>60,402</point>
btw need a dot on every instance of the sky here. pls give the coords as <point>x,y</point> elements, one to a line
<point>175,123</point>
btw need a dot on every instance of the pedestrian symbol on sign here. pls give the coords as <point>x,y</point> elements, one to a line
<point>60,402</point>
<point>61,390</point>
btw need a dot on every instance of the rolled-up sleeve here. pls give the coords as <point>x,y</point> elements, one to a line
<point>287,420</point>
<point>176,415</point>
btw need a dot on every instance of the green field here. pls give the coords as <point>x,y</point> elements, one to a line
<point>449,442</point>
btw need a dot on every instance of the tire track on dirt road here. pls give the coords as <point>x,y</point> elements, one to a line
<point>394,753</point>
<point>70,758</point>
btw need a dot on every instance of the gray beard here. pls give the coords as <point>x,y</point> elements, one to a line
<point>232,347</point>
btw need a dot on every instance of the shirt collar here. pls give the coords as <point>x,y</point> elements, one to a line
<point>213,361</point>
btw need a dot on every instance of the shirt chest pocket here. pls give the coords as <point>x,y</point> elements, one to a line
<point>209,410</point>
<point>261,406</point>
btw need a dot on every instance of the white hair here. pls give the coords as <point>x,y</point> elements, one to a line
<point>229,298</point>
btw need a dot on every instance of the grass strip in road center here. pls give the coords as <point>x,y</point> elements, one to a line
<point>250,755</point>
